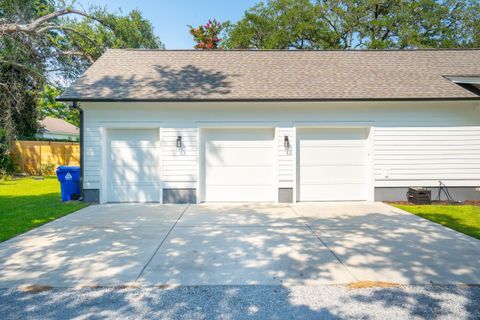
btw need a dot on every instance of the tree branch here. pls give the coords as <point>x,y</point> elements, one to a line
<point>35,27</point>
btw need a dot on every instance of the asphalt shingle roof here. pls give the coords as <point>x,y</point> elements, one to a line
<point>124,74</point>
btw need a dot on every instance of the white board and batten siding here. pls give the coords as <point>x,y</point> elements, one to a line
<point>422,156</point>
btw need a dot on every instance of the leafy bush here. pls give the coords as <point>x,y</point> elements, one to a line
<point>46,169</point>
<point>6,164</point>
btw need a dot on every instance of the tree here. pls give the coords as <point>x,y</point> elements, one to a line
<point>351,24</point>
<point>207,36</point>
<point>50,107</point>
<point>44,43</point>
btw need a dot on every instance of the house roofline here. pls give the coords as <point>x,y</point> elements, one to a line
<point>66,99</point>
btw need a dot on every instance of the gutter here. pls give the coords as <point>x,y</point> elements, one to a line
<point>76,106</point>
<point>65,99</point>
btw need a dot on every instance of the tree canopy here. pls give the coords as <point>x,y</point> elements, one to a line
<point>45,42</point>
<point>352,24</point>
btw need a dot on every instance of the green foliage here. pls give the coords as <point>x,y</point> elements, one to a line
<point>114,31</point>
<point>462,218</point>
<point>28,203</point>
<point>47,169</point>
<point>350,24</point>
<point>6,164</point>
<point>207,36</point>
<point>50,107</point>
<point>34,61</point>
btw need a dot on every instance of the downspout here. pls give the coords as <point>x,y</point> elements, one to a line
<point>75,106</point>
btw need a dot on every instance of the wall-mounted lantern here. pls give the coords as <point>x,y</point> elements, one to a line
<point>179,142</point>
<point>286,142</point>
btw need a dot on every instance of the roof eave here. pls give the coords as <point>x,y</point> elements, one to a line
<point>71,99</point>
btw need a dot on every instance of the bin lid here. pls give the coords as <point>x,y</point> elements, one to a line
<point>68,168</point>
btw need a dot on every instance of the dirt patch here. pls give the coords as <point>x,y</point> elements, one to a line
<point>126,286</point>
<point>36,288</point>
<point>371,284</point>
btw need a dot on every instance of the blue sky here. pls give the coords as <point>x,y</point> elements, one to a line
<point>171,17</point>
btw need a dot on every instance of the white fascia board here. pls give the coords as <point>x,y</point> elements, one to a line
<point>467,80</point>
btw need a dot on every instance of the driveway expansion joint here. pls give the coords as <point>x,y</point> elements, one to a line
<point>323,242</point>
<point>162,242</point>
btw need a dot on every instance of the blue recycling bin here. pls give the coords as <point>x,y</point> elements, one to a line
<point>69,177</point>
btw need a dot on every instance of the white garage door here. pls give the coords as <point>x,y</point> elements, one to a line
<point>332,164</point>
<point>239,165</point>
<point>133,170</point>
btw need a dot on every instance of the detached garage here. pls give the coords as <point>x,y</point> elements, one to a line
<point>190,126</point>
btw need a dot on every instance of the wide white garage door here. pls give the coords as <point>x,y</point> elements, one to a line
<point>332,164</point>
<point>133,166</point>
<point>239,165</point>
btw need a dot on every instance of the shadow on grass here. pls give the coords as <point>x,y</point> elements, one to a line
<point>450,220</point>
<point>19,214</point>
<point>453,223</point>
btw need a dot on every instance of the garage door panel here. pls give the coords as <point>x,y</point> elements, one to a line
<point>238,193</point>
<point>133,135</point>
<point>124,156</point>
<point>133,170</point>
<point>332,143</point>
<point>239,165</point>
<point>232,135</point>
<point>134,174</point>
<point>240,175</point>
<point>333,192</point>
<point>129,193</point>
<point>331,174</point>
<point>240,156</point>
<point>133,144</point>
<point>329,134</point>
<point>332,164</point>
<point>341,155</point>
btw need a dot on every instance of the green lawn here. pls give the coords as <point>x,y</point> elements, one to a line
<point>27,203</point>
<point>465,219</point>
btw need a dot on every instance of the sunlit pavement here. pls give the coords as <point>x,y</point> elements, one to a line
<point>239,244</point>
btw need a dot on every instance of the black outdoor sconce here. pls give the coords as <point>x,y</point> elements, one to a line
<point>286,142</point>
<point>179,142</point>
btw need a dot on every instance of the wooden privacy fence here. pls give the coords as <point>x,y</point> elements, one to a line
<point>43,157</point>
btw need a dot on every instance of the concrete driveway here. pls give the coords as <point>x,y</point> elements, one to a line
<point>219,244</point>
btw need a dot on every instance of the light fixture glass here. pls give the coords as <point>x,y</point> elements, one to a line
<point>179,141</point>
<point>286,142</point>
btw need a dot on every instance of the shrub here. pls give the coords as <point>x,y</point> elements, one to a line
<point>6,164</point>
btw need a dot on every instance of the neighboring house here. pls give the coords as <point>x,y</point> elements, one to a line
<point>286,126</point>
<point>57,129</point>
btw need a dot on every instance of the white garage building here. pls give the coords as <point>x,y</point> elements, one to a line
<point>278,126</point>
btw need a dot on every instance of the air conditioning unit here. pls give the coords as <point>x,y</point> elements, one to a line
<point>419,195</point>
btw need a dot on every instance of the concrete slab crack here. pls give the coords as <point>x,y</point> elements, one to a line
<point>161,243</point>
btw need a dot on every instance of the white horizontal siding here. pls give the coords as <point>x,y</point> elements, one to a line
<point>179,166</point>
<point>92,156</point>
<point>450,135</point>
<point>406,156</point>
<point>286,158</point>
